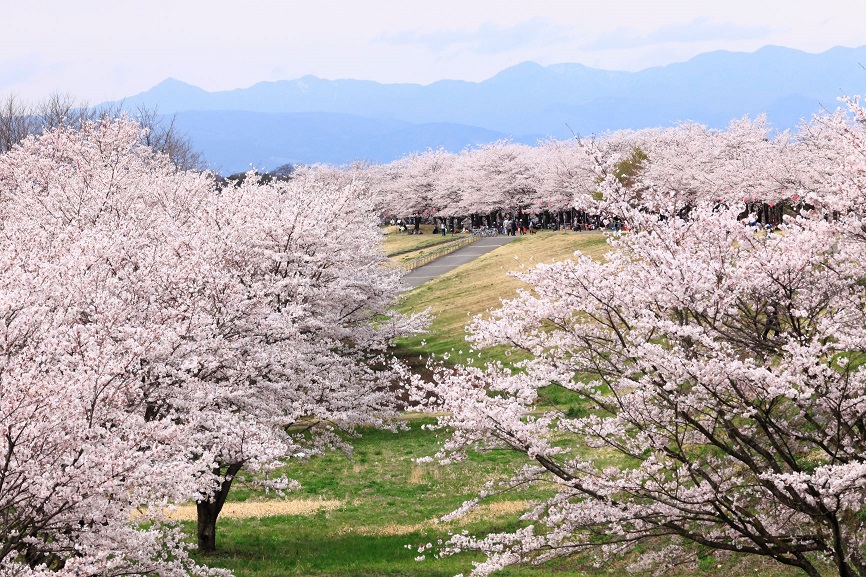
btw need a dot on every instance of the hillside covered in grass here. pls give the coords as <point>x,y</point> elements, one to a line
<point>454,298</point>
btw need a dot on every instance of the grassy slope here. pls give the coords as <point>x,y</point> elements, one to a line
<point>405,247</point>
<point>479,286</point>
<point>388,503</point>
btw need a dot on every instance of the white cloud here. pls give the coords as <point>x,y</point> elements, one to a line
<point>488,38</point>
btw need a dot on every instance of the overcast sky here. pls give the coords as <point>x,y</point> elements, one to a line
<point>101,50</point>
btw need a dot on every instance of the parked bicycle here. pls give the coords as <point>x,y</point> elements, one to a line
<point>485,231</point>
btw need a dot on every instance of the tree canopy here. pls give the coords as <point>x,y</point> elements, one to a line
<point>159,334</point>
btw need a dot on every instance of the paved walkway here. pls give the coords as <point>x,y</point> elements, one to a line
<point>451,261</point>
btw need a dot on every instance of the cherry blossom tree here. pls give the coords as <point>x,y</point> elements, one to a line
<point>414,184</point>
<point>19,119</point>
<point>159,335</point>
<point>87,306</point>
<point>294,350</point>
<point>565,171</point>
<point>498,176</point>
<point>745,163</point>
<point>714,373</point>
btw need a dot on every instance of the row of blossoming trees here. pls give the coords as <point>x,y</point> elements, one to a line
<point>560,180</point>
<point>159,334</point>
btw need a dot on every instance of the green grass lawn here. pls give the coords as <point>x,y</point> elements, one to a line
<point>387,502</point>
<point>403,247</point>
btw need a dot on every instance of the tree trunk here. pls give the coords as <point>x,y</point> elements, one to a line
<point>206,525</point>
<point>208,511</point>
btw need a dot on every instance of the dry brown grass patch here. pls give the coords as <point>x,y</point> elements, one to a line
<point>249,509</point>
<point>419,474</point>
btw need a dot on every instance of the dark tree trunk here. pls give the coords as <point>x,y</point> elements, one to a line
<point>206,525</point>
<point>207,512</point>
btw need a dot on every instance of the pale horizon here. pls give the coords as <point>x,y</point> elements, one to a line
<point>100,51</point>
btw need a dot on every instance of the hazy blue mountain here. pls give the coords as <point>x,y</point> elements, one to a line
<point>235,140</point>
<point>341,120</point>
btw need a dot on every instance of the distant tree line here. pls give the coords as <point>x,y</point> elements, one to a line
<point>560,182</point>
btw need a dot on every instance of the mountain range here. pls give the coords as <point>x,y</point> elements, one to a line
<point>310,119</point>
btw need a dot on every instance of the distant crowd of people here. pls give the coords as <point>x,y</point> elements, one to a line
<point>510,225</point>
